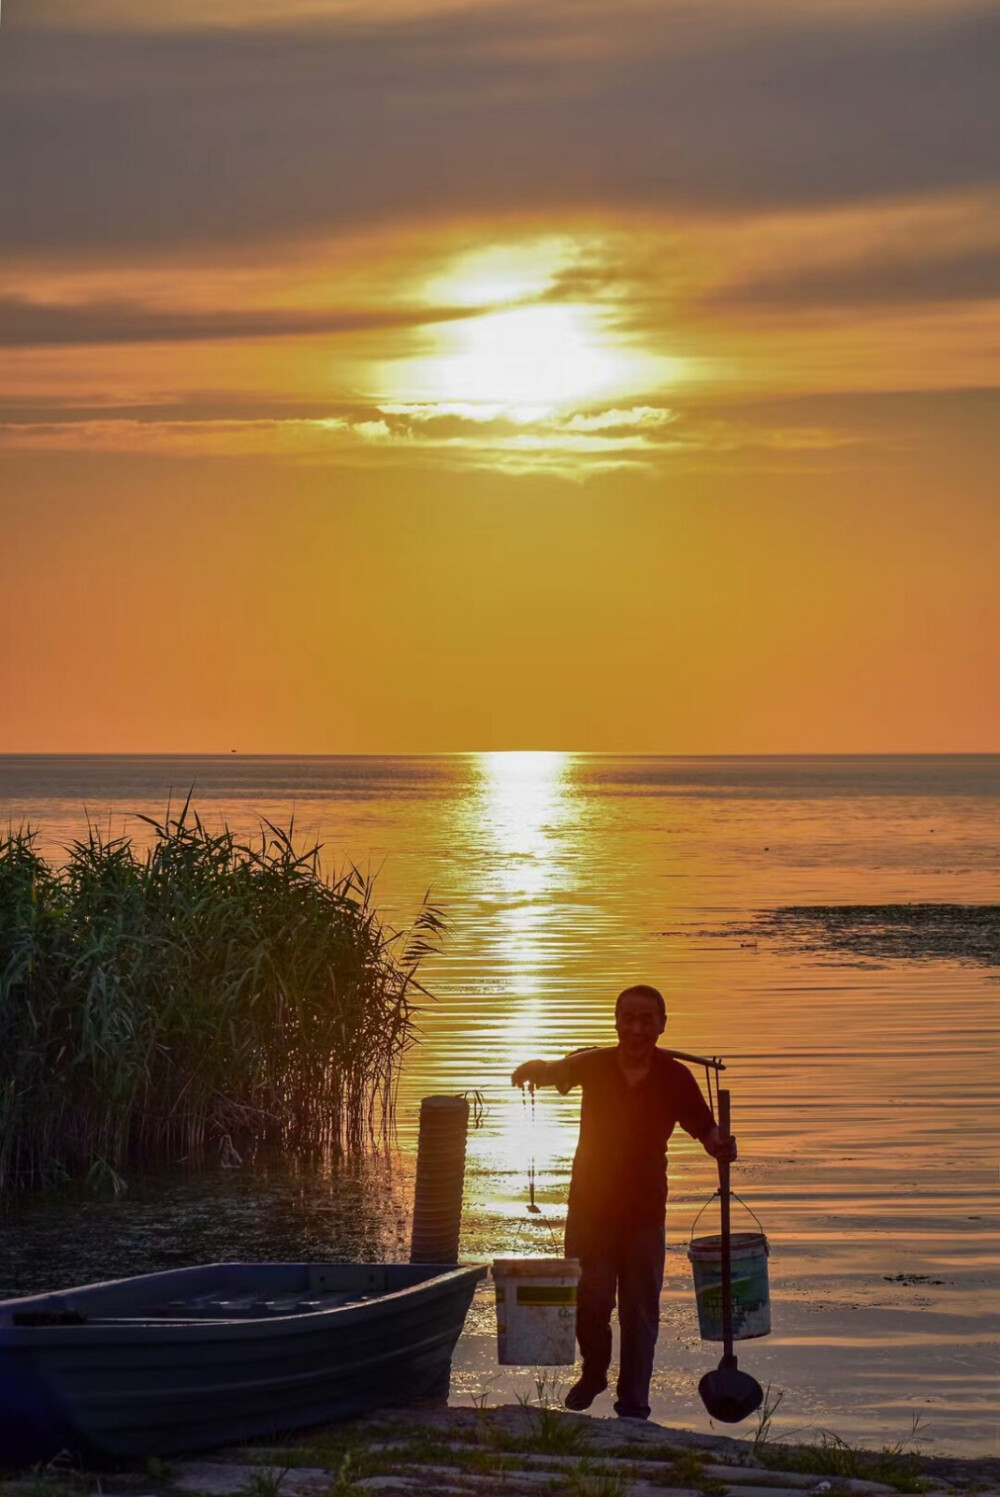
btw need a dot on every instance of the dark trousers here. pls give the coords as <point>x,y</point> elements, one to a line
<point>626,1261</point>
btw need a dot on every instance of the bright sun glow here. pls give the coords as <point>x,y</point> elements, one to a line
<point>550,356</point>
<point>528,353</point>
<point>501,273</point>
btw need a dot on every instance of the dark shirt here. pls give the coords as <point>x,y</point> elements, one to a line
<point>620,1167</point>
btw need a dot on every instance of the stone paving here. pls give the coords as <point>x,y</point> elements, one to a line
<point>521,1450</point>
<point>537,1450</point>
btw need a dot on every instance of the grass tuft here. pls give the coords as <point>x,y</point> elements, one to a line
<point>589,1481</point>
<point>552,1431</point>
<point>265,1483</point>
<point>896,1465</point>
<point>765,1419</point>
<point>199,996</point>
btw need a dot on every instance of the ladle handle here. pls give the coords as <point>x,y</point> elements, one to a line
<point>725,1133</point>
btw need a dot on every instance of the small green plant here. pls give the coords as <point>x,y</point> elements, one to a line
<point>587,1481</point>
<point>344,1482</point>
<point>685,1468</point>
<point>553,1433</point>
<point>896,1465</point>
<point>481,1397</point>
<point>327,1450</point>
<point>548,1389</point>
<point>157,1470</point>
<point>556,1434</point>
<point>484,1432</point>
<point>266,1482</point>
<point>765,1418</point>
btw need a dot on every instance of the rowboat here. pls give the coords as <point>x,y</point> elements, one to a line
<point>225,1352</point>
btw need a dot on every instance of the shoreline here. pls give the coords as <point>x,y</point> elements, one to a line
<point>524,1448</point>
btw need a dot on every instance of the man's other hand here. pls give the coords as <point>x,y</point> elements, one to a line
<point>532,1073</point>
<point>714,1144</point>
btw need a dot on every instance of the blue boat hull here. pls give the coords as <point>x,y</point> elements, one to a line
<point>179,1361</point>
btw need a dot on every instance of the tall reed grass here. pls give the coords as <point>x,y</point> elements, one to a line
<point>199,992</point>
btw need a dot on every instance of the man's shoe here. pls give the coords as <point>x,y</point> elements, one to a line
<point>629,1411</point>
<point>583,1393</point>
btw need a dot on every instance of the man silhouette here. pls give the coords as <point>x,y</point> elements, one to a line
<point>633,1095</point>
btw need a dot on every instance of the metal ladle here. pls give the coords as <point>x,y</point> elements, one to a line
<point>728,1394</point>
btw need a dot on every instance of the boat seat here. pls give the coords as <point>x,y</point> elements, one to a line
<point>248,1307</point>
<point>204,1308</point>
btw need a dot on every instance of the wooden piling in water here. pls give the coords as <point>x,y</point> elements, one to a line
<point>437,1205</point>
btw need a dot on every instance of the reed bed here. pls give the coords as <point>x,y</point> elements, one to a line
<point>199,993</point>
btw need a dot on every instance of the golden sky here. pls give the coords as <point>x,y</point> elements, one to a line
<point>403,377</point>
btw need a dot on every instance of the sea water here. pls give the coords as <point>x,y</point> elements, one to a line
<point>865,1088</point>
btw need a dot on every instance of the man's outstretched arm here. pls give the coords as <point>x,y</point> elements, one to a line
<point>535,1073</point>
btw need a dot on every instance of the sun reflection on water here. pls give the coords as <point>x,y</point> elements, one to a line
<point>524,798</point>
<point>524,806</point>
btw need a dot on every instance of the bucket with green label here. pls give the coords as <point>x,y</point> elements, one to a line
<point>536,1311</point>
<point>751,1293</point>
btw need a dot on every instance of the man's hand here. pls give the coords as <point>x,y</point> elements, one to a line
<point>532,1073</point>
<point>713,1144</point>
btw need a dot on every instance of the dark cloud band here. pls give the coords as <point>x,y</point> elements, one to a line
<point>117,140</point>
<point>882,280</point>
<point>27,324</point>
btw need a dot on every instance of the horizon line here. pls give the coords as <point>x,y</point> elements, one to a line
<point>223,754</point>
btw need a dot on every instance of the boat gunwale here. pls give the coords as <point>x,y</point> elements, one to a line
<point>129,1329</point>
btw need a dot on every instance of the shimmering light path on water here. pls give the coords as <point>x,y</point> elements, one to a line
<point>865,1094</point>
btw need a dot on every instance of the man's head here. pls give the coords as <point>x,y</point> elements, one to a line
<point>640,1018</point>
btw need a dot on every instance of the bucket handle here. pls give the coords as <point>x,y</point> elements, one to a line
<point>742,1202</point>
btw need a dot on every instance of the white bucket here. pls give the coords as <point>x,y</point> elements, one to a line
<point>536,1311</point>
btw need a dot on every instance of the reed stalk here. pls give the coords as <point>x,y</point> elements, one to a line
<point>198,993</point>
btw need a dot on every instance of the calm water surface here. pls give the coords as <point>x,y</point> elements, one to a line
<point>865,1095</point>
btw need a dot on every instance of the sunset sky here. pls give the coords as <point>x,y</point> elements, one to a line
<point>397,376</point>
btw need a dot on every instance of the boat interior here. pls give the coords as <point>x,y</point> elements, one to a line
<point>220,1292</point>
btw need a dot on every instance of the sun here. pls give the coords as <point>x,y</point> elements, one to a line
<point>494,275</point>
<point>549,356</point>
<point>522,350</point>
